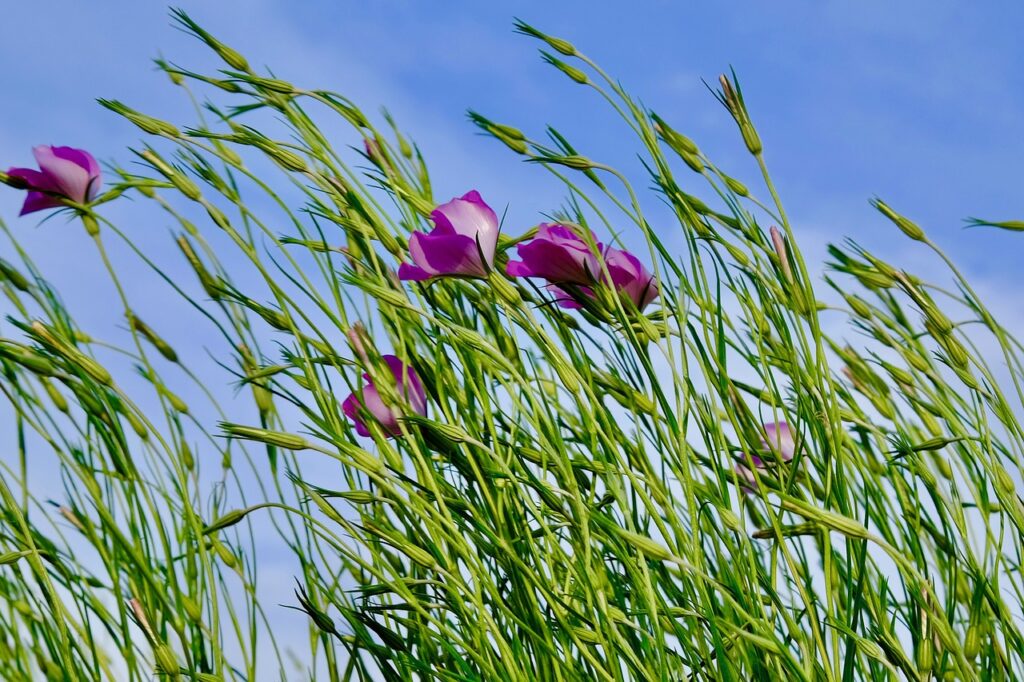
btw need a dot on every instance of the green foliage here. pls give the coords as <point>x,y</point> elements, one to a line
<point>572,507</point>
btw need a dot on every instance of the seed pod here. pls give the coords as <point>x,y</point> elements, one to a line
<point>28,359</point>
<point>74,356</point>
<point>925,653</point>
<point>916,361</point>
<point>359,496</point>
<point>794,530</point>
<point>873,279</point>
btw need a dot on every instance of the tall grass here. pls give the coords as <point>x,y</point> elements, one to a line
<point>592,493</point>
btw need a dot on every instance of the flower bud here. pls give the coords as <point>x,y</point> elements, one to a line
<point>288,441</point>
<point>208,282</point>
<point>175,177</point>
<point>972,642</point>
<point>732,97</point>
<point>562,46</point>
<point>909,228</point>
<point>148,124</point>
<point>779,242</point>
<point>147,332</point>
<point>166,661</point>
<point>569,70</point>
<point>231,57</point>
<point>12,275</point>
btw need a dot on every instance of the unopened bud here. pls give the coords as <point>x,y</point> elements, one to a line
<point>288,441</point>
<point>148,124</point>
<point>174,176</point>
<point>568,69</point>
<point>12,275</point>
<point>909,228</point>
<point>779,242</point>
<point>358,339</point>
<point>147,332</point>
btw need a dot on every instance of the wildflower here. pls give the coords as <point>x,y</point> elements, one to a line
<point>566,300</point>
<point>630,277</point>
<point>778,439</point>
<point>562,257</point>
<point>367,401</point>
<point>556,254</point>
<point>748,483</point>
<point>65,173</point>
<point>462,243</point>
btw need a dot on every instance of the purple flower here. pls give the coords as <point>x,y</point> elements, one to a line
<point>461,244</point>
<point>747,481</point>
<point>558,255</point>
<point>778,439</point>
<point>630,277</point>
<point>562,257</point>
<point>64,173</point>
<point>367,401</point>
<point>566,300</point>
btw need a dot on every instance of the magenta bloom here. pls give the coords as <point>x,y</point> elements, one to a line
<point>562,257</point>
<point>747,481</point>
<point>64,173</point>
<point>630,277</point>
<point>367,400</point>
<point>461,244</point>
<point>778,438</point>
<point>558,255</point>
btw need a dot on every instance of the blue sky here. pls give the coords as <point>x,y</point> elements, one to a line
<point>916,102</point>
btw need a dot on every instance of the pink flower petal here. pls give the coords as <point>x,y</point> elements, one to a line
<point>470,216</point>
<point>71,179</point>
<point>446,255</point>
<point>779,438</point>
